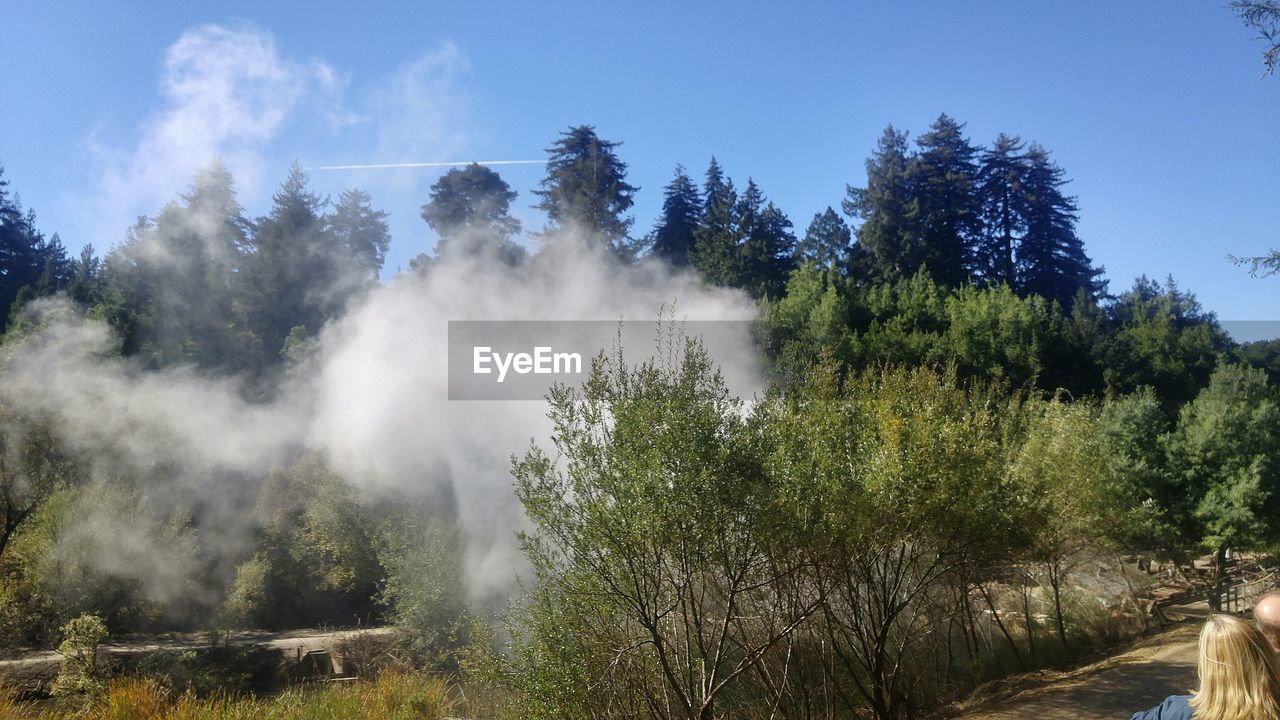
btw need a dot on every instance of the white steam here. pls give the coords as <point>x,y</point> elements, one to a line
<point>374,399</point>
<point>374,396</point>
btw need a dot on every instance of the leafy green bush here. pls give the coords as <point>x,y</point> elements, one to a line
<point>80,672</point>
<point>424,592</point>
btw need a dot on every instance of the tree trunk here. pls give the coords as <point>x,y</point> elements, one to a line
<point>1030,621</point>
<point>976,651</point>
<point>1219,579</point>
<point>1133,594</point>
<point>1055,580</point>
<point>1000,623</point>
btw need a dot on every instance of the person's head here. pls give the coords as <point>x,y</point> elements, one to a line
<point>1266,614</point>
<point>1237,673</point>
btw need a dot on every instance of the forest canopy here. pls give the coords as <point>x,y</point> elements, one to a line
<point>957,404</point>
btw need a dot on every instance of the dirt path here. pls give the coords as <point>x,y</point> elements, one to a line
<point>1155,668</point>
<point>33,670</point>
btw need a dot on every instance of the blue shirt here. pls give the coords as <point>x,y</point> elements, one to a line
<point>1174,707</point>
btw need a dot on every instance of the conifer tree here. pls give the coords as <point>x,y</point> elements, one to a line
<point>889,211</point>
<point>766,247</point>
<point>1051,259</point>
<point>826,242</point>
<point>296,273</point>
<point>175,289</point>
<point>716,239</point>
<point>470,210</point>
<point>31,265</point>
<point>942,177</point>
<point>1000,197</point>
<point>586,188</point>
<point>361,232</point>
<point>673,236</point>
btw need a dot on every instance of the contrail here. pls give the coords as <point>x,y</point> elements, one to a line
<point>383,166</point>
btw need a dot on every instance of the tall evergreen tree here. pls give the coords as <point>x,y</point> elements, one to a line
<point>716,238</point>
<point>360,232</point>
<point>297,272</point>
<point>175,286</point>
<point>673,236</point>
<point>31,265</point>
<point>942,177</point>
<point>1051,259</point>
<point>586,188</point>
<point>1000,198</point>
<point>470,210</point>
<point>826,242</point>
<point>889,211</point>
<point>87,283</point>
<point>766,247</point>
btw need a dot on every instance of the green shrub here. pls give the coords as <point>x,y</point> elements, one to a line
<point>80,672</point>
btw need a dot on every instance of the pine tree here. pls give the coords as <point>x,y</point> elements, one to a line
<point>780,250</point>
<point>87,285</point>
<point>889,211</point>
<point>469,210</point>
<point>56,269</point>
<point>585,188</point>
<point>716,239</point>
<point>673,236</point>
<point>361,232</point>
<point>766,246</point>
<point>826,242</point>
<point>20,258</point>
<point>296,273</point>
<point>942,177</point>
<point>21,261</point>
<point>1051,259</point>
<point>175,287</point>
<point>1000,198</point>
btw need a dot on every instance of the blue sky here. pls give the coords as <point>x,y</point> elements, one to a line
<point>1156,110</point>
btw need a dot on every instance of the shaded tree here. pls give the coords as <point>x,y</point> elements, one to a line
<point>360,232</point>
<point>298,274</point>
<point>1160,336</point>
<point>826,242</point>
<point>175,289</point>
<point>942,175</point>
<point>586,188</point>
<point>716,238</point>
<point>470,210</point>
<point>673,236</point>
<point>1000,193</point>
<point>1133,427</point>
<point>1051,259</point>
<point>889,211</point>
<point>315,556</point>
<point>31,265</point>
<point>1226,452</point>
<point>766,246</point>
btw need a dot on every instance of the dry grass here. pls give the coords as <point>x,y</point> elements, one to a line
<point>393,695</point>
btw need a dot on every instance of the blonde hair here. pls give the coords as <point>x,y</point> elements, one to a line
<point>1238,673</point>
